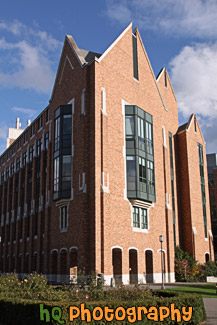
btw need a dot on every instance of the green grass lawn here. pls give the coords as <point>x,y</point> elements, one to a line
<point>206,291</point>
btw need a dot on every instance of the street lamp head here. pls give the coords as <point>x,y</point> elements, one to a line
<point>161,238</point>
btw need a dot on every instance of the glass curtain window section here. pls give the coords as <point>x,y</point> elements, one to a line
<point>56,174</point>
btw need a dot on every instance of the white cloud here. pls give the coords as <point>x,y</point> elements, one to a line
<point>193,74</point>
<point>29,59</point>
<point>192,18</point>
<point>27,111</point>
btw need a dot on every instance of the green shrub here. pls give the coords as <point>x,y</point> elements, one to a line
<point>21,312</point>
<point>211,268</point>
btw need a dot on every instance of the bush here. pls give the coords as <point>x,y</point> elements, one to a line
<point>211,268</point>
<point>194,272</point>
<point>21,312</point>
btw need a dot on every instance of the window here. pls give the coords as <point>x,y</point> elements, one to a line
<point>39,147</point>
<point>195,124</point>
<point>31,153</point>
<point>8,154</point>
<point>57,134</point>
<point>202,181</point>
<point>66,173</point>
<point>129,126</point>
<point>13,149</point>
<point>139,154</point>
<point>19,143</point>
<point>67,130</point>
<point>135,58</point>
<point>25,137</point>
<point>32,130</point>
<point>140,218</point>
<point>131,173</point>
<point>12,169</point>
<point>145,135</point>
<point>56,174</point>
<point>83,102</point>
<point>47,115</point>
<point>40,122</point>
<point>18,164</point>
<point>63,218</point>
<point>46,140</point>
<point>172,185</point>
<point>24,159</point>
<point>149,138</point>
<point>165,78</point>
<point>7,174</point>
<point>142,170</point>
<point>62,152</point>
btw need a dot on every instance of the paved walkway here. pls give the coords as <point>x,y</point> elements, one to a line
<point>211,310</point>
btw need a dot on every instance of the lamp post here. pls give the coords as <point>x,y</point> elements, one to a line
<point>161,238</point>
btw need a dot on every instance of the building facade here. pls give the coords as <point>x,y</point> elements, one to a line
<point>103,171</point>
<point>212,176</point>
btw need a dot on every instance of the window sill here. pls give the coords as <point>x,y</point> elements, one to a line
<point>14,241</point>
<point>20,240</point>
<point>41,128</point>
<point>63,230</point>
<point>27,238</point>
<point>36,237</point>
<point>145,231</point>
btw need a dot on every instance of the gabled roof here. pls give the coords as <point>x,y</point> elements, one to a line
<point>185,127</point>
<point>83,56</point>
<point>163,70</point>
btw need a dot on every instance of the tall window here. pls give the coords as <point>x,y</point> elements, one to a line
<point>47,115</point>
<point>139,154</point>
<point>63,218</point>
<point>31,153</point>
<point>46,140</point>
<point>202,181</point>
<point>135,58</point>
<point>172,186</point>
<point>148,137</point>
<point>62,152</point>
<point>24,159</point>
<point>32,130</point>
<point>39,122</point>
<point>67,130</point>
<point>131,173</point>
<point>57,134</point>
<point>66,172</point>
<point>56,174</point>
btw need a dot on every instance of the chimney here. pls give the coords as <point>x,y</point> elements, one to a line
<point>18,124</point>
<point>28,123</point>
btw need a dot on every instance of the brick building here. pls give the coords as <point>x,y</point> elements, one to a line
<point>212,177</point>
<point>103,171</point>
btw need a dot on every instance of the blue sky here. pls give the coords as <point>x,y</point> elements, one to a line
<point>180,35</point>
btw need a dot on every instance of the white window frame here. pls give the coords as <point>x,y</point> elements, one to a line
<point>140,229</point>
<point>65,218</point>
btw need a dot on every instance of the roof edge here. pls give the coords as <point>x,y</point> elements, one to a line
<point>114,43</point>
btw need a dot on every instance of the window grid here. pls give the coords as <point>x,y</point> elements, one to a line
<point>140,218</point>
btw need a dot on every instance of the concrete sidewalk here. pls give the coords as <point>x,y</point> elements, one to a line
<point>211,310</point>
